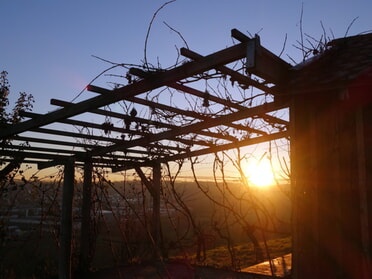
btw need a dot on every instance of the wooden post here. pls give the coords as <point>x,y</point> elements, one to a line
<point>363,194</point>
<point>154,189</point>
<point>156,202</point>
<point>64,265</point>
<point>84,261</point>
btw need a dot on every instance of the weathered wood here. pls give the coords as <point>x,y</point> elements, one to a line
<point>241,79</point>
<point>267,65</point>
<point>162,78</point>
<point>211,122</point>
<point>64,264</point>
<point>228,146</point>
<point>144,180</point>
<point>163,107</point>
<point>363,192</point>
<point>75,135</point>
<point>201,94</point>
<point>156,177</point>
<point>88,146</point>
<point>85,238</point>
<point>13,153</point>
<point>120,130</point>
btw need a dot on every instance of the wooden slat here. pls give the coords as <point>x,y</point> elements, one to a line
<point>241,79</point>
<point>200,94</point>
<point>34,155</point>
<point>79,154</point>
<point>91,146</point>
<point>211,122</point>
<point>114,129</point>
<point>162,78</point>
<point>76,135</point>
<point>217,148</point>
<point>193,114</point>
<point>175,110</point>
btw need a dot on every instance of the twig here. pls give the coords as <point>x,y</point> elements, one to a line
<point>149,29</point>
<point>351,23</point>
<point>284,44</point>
<point>301,31</point>
<point>178,33</point>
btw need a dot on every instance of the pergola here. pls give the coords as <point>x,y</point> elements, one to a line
<point>154,126</point>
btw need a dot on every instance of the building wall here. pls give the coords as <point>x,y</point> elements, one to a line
<point>331,144</point>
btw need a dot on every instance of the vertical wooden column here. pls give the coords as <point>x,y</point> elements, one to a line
<point>64,265</point>
<point>363,195</point>
<point>84,261</point>
<point>156,202</point>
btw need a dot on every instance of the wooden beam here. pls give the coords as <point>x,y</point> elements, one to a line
<point>49,164</point>
<point>75,135</point>
<point>114,129</point>
<point>156,220</point>
<point>211,122</point>
<point>241,79</point>
<point>77,154</point>
<point>144,180</point>
<point>53,142</point>
<point>133,165</point>
<point>175,110</point>
<point>83,145</point>
<point>267,65</point>
<point>227,146</point>
<point>44,149</point>
<point>155,123</point>
<point>200,94</point>
<point>58,158</point>
<point>186,70</point>
<point>35,155</point>
<point>86,234</point>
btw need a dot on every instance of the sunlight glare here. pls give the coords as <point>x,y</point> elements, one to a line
<point>260,174</point>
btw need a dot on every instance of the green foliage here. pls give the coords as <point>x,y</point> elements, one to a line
<point>9,117</point>
<point>24,102</point>
<point>4,101</point>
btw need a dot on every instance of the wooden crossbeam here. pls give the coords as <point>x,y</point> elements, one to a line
<point>163,107</point>
<point>220,120</point>
<point>35,155</point>
<point>186,70</point>
<point>58,158</point>
<point>267,65</point>
<point>79,154</point>
<point>91,146</point>
<point>200,94</point>
<point>112,128</point>
<point>241,79</point>
<point>75,135</point>
<point>227,146</point>
<point>144,180</point>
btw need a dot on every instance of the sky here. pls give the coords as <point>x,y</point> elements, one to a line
<point>48,46</point>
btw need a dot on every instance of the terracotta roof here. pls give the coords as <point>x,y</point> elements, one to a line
<point>343,61</point>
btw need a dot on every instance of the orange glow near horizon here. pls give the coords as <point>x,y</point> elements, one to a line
<point>260,173</point>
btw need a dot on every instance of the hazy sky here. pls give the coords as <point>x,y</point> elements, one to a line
<point>47,45</point>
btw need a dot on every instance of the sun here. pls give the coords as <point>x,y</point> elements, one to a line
<point>260,174</point>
